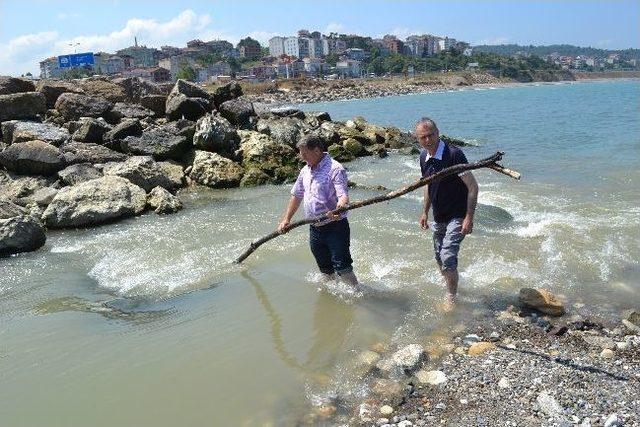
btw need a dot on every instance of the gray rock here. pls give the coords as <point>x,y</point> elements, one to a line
<point>155,103</point>
<point>82,152</point>
<point>123,110</point>
<point>18,188</point>
<point>215,133</point>
<point>21,131</point>
<point>470,339</point>
<point>95,202</point>
<point>163,202</point>
<point>188,89</point>
<point>144,172</point>
<point>10,85</point>
<point>72,106</point>
<point>43,196</point>
<point>27,105</point>
<point>136,88</point>
<point>406,360</point>
<point>238,112</point>
<point>226,92</point>
<point>91,130</point>
<point>81,172</point>
<point>8,209</point>
<point>262,152</point>
<point>32,157</point>
<point>549,405</point>
<point>180,106</point>
<point>287,112</point>
<point>284,131</point>
<point>122,130</point>
<point>612,421</point>
<point>20,234</point>
<point>52,89</point>
<point>158,143</point>
<point>215,171</point>
<point>431,377</point>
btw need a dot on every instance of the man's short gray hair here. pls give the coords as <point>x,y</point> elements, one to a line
<point>311,142</point>
<point>426,121</point>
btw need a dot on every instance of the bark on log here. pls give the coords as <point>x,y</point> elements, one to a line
<point>489,162</point>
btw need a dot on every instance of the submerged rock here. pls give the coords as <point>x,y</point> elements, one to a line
<point>95,202</point>
<point>20,234</point>
<point>541,300</point>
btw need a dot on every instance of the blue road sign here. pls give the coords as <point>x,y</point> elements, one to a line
<point>76,60</point>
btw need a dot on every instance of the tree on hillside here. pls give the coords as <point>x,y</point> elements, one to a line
<point>186,72</point>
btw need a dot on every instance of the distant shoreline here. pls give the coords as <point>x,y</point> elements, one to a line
<point>313,91</point>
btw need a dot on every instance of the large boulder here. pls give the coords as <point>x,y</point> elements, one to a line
<point>144,172</point>
<point>17,106</point>
<point>81,172</point>
<point>72,106</point>
<point>20,131</point>
<point>32,157</point>
<point>123,110</point>
<point>9,85</point>
<point>238,111</point>
<point>155,103</point>
<point>286,130</point>
<point>82,152</point>
<point>8,209</point>
<point>180,106</point>
<point>20,234</point>
<point>262,152</point>
<point>215,171</point>
<point>163,202</point>
<point>159,143</point>
<point>130,127</point>
<point>215,133</point>
<point>52,89</point>
<point>103,88</point>
<point>94,202</point>
<point>226,92</point>
<point>136,88</point>
<point>19,189</point>
<point>188,89</point>
<point>91,130</point>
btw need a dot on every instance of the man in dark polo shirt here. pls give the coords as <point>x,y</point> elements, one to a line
<point>453,200</point>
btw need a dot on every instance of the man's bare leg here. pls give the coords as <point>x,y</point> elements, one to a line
<point>451,279</point>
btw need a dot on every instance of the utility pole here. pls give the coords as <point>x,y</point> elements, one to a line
<point>74,46</point>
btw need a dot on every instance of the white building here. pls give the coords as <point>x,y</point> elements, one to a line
<point>315,66</point>
<point>355,53</point>
<point>348,68</point>
<point>276,46</point>
<point>297,46</point>
<point>446,43</point>
<point>332,45</point>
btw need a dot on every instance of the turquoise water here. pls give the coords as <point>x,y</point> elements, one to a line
<point>147,322</point>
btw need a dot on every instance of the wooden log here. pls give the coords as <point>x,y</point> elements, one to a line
<point>489,162</point>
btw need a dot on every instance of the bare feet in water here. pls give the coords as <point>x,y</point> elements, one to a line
<point>449,303</point>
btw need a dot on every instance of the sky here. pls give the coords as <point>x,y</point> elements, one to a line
<point>32,30</point>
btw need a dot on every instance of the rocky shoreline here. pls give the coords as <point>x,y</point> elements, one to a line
<point>304,92</point>
<point>515,365</point>
<point>93,151</point>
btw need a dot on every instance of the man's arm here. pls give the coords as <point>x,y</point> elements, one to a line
<point>340,184</point>
<point>472,200</point>
<point>292,207</point>
<point>424,218</point>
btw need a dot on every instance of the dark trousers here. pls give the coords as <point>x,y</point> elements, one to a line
<point>330,246</point>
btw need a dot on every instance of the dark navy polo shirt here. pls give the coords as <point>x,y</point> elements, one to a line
<point>448,195</point>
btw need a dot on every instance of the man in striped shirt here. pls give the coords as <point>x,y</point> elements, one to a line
<point>322,187</point>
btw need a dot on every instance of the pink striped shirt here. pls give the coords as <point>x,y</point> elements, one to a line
<point>320,187</point>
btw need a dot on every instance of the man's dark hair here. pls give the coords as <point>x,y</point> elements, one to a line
<point>311,142</point>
